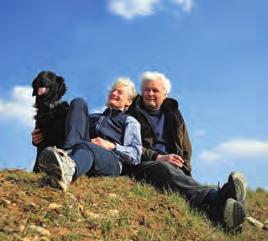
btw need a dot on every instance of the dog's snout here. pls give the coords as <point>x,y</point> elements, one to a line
<point>42,83</point>
<point>42,91</point>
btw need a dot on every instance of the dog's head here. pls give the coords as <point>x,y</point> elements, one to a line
<point>48,88</point>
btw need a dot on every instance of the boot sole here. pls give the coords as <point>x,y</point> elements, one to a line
<point>240,185</point>
<point>234,214</point>
<point>50,164</point>
<point>57,183</point>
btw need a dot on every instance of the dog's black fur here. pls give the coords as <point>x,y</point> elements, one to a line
<point>51,111</point>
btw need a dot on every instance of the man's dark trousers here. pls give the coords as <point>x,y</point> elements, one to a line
<point>168,177</point>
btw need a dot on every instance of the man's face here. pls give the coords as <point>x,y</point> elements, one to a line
<point>118,98</point>
<point>153,94</point>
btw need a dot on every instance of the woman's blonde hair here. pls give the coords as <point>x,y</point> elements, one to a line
<point>128,83</point>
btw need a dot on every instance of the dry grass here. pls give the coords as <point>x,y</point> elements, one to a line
<point>107,209</point>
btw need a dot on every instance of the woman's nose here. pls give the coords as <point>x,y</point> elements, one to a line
<point>114,93</point>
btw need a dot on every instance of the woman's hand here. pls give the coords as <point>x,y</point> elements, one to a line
<point>103,143</point>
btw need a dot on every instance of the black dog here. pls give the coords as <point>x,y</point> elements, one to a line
<point>51,111</point>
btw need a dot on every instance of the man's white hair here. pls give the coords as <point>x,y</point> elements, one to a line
<point>148,75</point>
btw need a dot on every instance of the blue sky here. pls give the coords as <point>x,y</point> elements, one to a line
<point>214,52</point>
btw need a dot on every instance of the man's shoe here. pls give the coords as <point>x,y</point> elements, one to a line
<point>234,215</point>
<point>235,188</point>
<point>59,167</point>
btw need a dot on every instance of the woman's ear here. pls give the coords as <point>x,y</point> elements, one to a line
<point>129,102</point>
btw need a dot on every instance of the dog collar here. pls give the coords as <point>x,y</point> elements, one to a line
<point>54,104</point>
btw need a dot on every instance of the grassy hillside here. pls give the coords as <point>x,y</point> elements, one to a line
<point>107,209</point>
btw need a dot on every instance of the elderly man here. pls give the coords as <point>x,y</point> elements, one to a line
<point>167,151</point>
<point>95,144</point>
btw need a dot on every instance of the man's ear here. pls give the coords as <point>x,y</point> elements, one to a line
<point>166,95</point>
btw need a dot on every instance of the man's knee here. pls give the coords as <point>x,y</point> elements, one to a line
<point>166,166</point>
<point>168,171</point>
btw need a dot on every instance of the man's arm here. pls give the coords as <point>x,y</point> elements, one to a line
<point>148,154</point>
<point>186,147</point>
<point>182,160</point>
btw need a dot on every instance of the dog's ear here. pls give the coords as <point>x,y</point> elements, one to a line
<point>61,86</point>
<point>35,89</point>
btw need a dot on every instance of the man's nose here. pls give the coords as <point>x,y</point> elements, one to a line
<point>151,92</point>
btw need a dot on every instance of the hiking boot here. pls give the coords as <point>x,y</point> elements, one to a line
<point>234,215</point>
<point>235,188</point>
<point>59,167</point>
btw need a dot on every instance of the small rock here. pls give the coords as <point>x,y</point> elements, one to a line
<point>43,239</point>
<point>53,206</point>
<point>33,205</point>
<point>26,239</point>
<point>112,195</point>
<point>8,230</point>
<point>21,228</point>
<point>40,230</point>
<point>5,201</point>
<point>92,215</point>
<point>113,212</point>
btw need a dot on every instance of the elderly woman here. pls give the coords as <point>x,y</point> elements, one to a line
<point>95,144</point>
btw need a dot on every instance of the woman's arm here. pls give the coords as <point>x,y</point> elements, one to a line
<point>131,149</point>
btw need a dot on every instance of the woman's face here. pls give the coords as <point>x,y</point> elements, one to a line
<point>118,98</point>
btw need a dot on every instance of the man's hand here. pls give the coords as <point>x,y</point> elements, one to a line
<point>103,143</point>
<point>37,137</point>
<point>171,158</point>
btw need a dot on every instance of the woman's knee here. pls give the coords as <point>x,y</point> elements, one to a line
<point>79,102</point>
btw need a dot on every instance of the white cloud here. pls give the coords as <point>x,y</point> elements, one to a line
<point>129,9</point>
<point>20,106</point>
<point>236,150</point>
<point>132,8</point>
<point>186,5</point>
